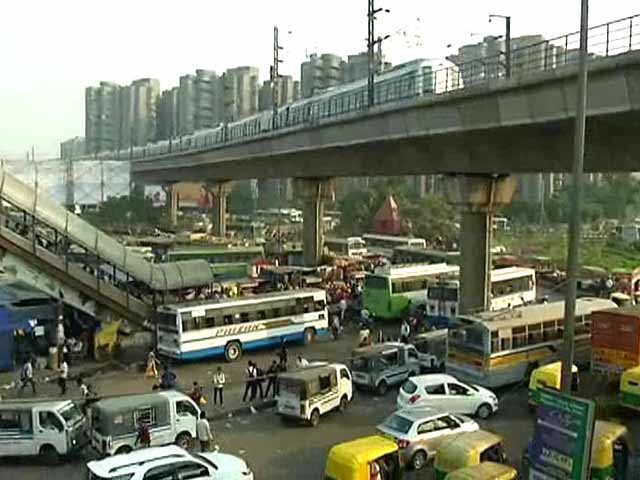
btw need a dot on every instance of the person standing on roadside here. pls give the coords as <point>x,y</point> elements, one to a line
<point>219,380</point>
<point>272,379</point>
<point>250,375</point>
<point>26,376</point>
<point>335,327</point>
<point>152,365</point>
<point>203,431</point>
<point>405,331</point>
<point>283,355</point>
<point>64,375</point>
<point>60,339</point>
<point>343,308</point>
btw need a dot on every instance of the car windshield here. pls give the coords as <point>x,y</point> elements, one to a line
<point>206,460</point>
<point>409,387</point>
<point>362,364</point>
<point>397,423</point>
<point>71,414</point>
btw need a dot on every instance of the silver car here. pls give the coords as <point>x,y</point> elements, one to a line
<point>418,432</point>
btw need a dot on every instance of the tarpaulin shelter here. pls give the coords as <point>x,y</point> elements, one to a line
<point>387,219</point>
<point>8,328</point>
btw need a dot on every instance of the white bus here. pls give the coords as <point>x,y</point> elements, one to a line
<point>353,247</point>
<point>201,329</point>
<point>384,244</point>
<point>499,348</point>
<point>510,287</point>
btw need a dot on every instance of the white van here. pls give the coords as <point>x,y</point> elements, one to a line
<point>50,429</point>
<point>171,417</point>
<point>313,391</point>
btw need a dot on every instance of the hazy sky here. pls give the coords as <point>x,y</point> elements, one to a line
<point>50,50</point>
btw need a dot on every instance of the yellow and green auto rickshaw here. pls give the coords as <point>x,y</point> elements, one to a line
<point>362,458</point>
<point>549,376</point>
<point>468,449</point>
<point>485,471</point>
<point>630,388</point>
<point>610,451</point>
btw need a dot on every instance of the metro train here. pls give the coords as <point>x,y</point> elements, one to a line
<point>402,82</point>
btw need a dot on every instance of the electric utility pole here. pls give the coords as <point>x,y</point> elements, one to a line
<point>371,44</point>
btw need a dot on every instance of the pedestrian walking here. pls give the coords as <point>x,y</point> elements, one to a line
<point>283,355</point>
<point>250,375</point>
<point>272,379</point>
<point>196,393</point>
<point>405,331</point>
<point>26,376</point>
<point>343,308</point>
<point>168,379</point>
<point>60,339</point>
<point>219,380</point>
<point>144,435</point>
<point>259,392</point>
<point>152,366</point>
<point>335,327</point>
<point>203,431</point>
<point>64,374</point>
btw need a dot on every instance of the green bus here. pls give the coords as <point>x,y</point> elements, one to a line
<point>388,292</point>
<point>227,262</point>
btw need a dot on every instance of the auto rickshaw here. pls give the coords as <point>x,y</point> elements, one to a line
<point>630,388</point>
<point>360,459</point>
<point>610,452</point>
<point>468,449</point>
<point>485,471</point>
<point>549,376</point>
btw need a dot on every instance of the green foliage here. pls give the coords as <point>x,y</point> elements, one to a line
<point>431,217</point>
<point>134,209</point>
<point>240,200</point>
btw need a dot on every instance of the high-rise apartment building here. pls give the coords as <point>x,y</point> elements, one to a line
<point>240,92</point>
<point>286,92</point>
<point>72,148</point>
<point>168,114</point>
<point>102,117</point>
<point>320,72</point>
<point>357,66</point>
<point>208,99</point>
<point>186,105</point>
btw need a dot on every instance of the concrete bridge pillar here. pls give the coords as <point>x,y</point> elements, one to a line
<point>314,191</point>
<point>219,191</point>
<point>477,196</point>
<point>171,193</point>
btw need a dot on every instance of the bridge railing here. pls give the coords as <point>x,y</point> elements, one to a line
<point>605,40</point>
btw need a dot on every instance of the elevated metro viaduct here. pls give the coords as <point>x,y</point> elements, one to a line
<point>480,135</point>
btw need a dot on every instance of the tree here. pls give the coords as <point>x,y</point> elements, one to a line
<point>240,200</point>
<point>431,218</point>
<point>133,210</point>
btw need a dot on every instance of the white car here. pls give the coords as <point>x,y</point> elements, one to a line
<point>419,431</point>
<point>447,393</point>
<point>169,463</point>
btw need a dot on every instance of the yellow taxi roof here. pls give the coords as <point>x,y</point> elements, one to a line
<point>631,374</point>
<point>464,449</point>
<point>364,449</point>
<point>549,374</point>
<point>604,434</point>
<point>484,471</point>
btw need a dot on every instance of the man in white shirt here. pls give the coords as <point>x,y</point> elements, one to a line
<point>64,374</point>
<point>26,376</point>
<point>203,431</point>
<point>302,362</point>
<point>219,380</point>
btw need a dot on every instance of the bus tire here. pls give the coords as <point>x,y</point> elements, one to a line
<point>232,351</point>
<point>124,450</point>
<point>484,411</point>
<point>382,388</point>
<point>309,335</point>
<point>49,454</point>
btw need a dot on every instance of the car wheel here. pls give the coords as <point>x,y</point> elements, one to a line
<point>183,440</point>
<point>232,352</point>
<point>343,403</point>
<point>382,388</point>
<point>314,419</point>
<point>49,455</point>
<point>124,449</point>
<point>419,460</point>
<point>309,336</point>
<point>484,411</point>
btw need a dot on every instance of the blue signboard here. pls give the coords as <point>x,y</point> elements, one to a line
<point>561,444</point>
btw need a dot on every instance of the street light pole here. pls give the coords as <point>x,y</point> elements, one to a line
<point>507,42</point>
<point>371,44</point>
<point>275,76</point>
<point>573,254</point>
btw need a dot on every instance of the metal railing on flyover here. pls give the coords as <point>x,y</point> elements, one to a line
<point>605,40</point>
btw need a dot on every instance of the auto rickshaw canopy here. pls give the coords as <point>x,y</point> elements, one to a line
<point>484,471</point>
<point>630,381</point>
<point>350,460</point>
<point>549,376</point>
<point>464,449</point>
<point>604,435</point>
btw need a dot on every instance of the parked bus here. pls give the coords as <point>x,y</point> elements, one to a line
<point>501,224</point>
<point>203,329</point>
<point>385,244</point>
<point>388,291</point>
<point>275,215</point>
<point>420,255</point>
<point>227,262</point>
<point>353,247</point>
<point>500,348</point>
<point>510,287</point>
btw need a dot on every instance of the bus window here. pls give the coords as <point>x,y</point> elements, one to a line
<point>375,282</point>
<point>495,342</point>
<point>549,330</point>
<point>534,334</point>
<point>261,315</point>
<point>188,322</point>
<point>519,337</point>
<point>505,343</point>
<point>320,305</point>
<point>244,317</point>
<point>228,320</point>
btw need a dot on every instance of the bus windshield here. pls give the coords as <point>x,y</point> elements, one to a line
<point>470,337</point>
<point>71,414</point>
<point>448,294</point>
<point>376,282</point>
<point>166,321</point>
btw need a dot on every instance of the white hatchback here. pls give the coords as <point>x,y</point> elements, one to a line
<point>169,463</point>
<point>447,393</point>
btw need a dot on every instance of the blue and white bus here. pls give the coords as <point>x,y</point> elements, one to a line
<point>200,329</point>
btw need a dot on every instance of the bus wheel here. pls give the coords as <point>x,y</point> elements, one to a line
<point>309,335</point>
<point>233,351</point>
